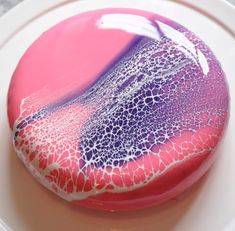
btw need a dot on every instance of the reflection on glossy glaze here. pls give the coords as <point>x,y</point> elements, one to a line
<point>117,109</point>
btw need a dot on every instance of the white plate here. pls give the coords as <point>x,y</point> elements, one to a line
<point>207,206</point>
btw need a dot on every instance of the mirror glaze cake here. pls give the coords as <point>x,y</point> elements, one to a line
<point>117,109</point>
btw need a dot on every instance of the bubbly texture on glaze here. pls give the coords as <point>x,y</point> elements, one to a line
<point>161,100</point>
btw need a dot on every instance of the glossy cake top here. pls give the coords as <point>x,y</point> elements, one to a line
<point>109,100</point>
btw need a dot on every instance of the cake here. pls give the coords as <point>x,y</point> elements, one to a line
<point>117,109</point>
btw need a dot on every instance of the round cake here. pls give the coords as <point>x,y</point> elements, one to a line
<point>117,109</point>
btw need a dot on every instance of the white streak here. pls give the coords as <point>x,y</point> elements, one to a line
<point>130,23</point>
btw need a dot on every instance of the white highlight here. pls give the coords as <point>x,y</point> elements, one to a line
<point>130,23</point>
<point>203,62</point>
<point>3,226</point>
<point>185,45</point>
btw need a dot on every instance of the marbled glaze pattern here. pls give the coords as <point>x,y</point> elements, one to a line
<point>138,132</point>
